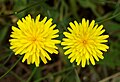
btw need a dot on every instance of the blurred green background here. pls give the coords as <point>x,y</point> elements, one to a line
<point>106,12</point>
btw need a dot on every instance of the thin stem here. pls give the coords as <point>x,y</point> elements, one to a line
<point>54,74</point>
<point>11,68</point>
<point>77,76</point>
<point>66,75</point>
<point>33,72</point>
<point>14,74</point>
<point>32,5</point>
<point>93,70</point>
<point>8,58</point>
<point>110,18</point>
<point>3,57</point>
<point>111,2</point>
<point>110,77</point>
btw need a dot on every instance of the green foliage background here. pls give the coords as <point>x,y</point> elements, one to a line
<point>106,12</point>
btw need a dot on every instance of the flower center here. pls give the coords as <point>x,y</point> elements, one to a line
<point>84,42</point>
<point>33,39</point>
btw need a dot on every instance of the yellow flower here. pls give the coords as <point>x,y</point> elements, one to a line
<point>34,39</point>
<point>85,42</point>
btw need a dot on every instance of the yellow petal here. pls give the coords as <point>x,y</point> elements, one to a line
<point>103,37</point>
<point>72,25</point>
<point>37,18</point>
<point>83,61</point>
<point>72,59</point>
<point>92,60</point>
<point>46,55</point>
<point>70,29</point>
<point>92,24</point>
<point>37,60</point>
<point>68,51</point>
<point>26,56</point>
<point>43,59</point>
<point>44,20</point>
<point>29,60</point>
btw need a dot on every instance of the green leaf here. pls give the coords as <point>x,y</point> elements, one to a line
<point>89,4</point>
<point>74,8</point>
<point>3,33</point>
<point>19,5</point>
<point>112,28</point>
<point>112,58</point>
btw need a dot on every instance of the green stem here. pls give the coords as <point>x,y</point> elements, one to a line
<point>8,58</point>
<point>110,18</point>
<point>14,74</point>
<point>32,5</point>
<point>77,76</point>
<point>93,70</point>
<point>66,75</point>
<point>54,74</point>
<point>33,72</point>
<point>3,57</point>
<point>11,68</point>
<point>61,10</point>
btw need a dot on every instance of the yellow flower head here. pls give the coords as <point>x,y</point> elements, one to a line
<point>34,39</point>
<point>85,42</point>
